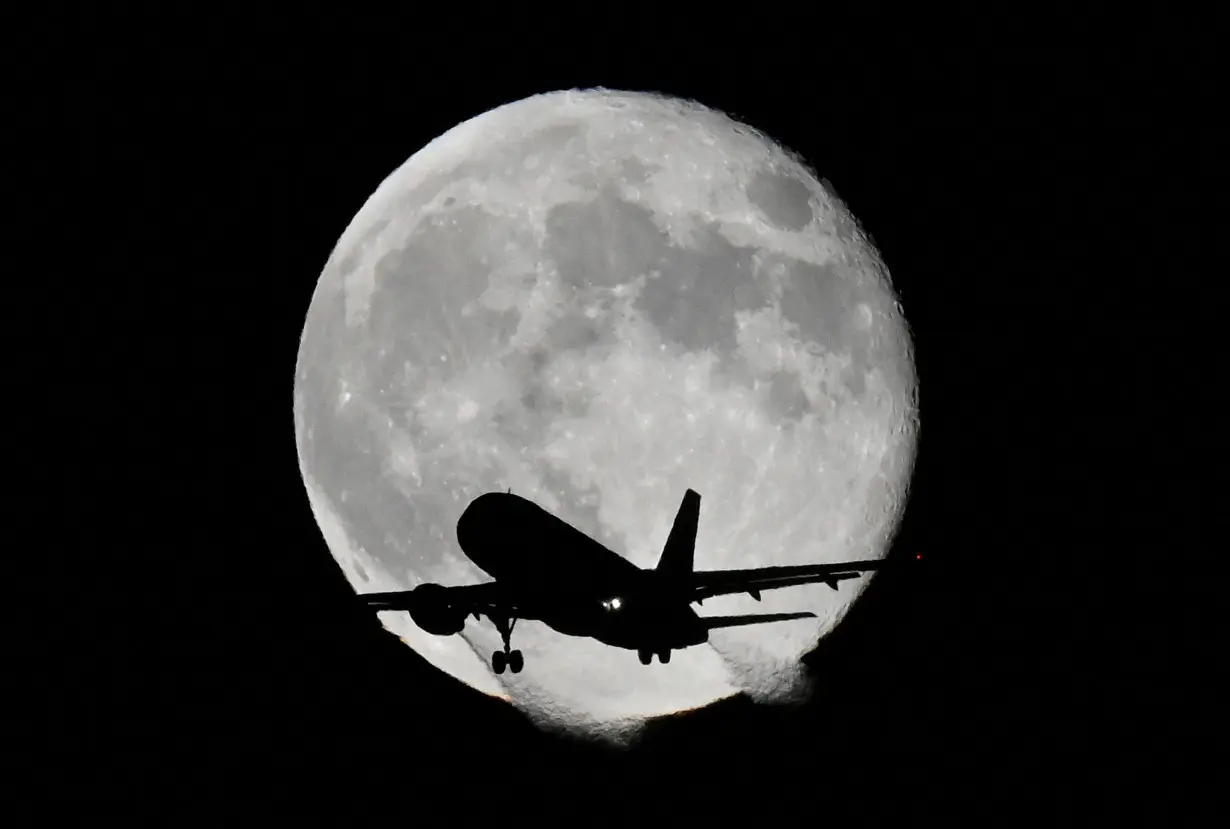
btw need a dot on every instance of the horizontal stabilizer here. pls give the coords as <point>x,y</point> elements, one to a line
<point>712,622</point>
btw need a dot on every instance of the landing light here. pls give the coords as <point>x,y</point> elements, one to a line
<point>613,604</point>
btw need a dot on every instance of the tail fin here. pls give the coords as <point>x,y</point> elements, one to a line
<point>676,560</point>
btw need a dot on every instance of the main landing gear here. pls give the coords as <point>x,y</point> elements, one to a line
<point>510,659</point>
<point>646,656</point>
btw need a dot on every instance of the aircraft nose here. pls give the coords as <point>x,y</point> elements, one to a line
<point>479,521</point>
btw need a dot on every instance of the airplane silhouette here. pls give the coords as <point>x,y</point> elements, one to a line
<point>549,571</point>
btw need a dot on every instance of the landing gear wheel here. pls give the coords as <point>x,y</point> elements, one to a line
<point>664,657</point>
<point>646,656</point>
<point>506,658</point>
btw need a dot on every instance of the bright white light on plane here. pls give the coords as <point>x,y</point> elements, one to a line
<point>612,604</point>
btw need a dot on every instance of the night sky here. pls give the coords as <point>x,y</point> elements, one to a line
<point>222,656</point>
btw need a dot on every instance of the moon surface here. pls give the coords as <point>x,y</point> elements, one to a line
<point>600,299</point>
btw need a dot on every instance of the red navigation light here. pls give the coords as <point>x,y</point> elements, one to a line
<point>918,556</point>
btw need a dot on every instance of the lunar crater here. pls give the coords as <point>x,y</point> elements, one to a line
<point>785,200</point>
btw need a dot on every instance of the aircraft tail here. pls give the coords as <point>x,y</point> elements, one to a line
<point>712,622</point>
<point>675,562</point>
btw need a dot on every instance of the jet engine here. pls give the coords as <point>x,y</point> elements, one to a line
<point>431,611</point>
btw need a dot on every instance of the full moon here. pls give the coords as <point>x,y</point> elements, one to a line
<point>600,299</point>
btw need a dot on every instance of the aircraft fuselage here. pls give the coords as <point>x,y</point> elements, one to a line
<point>541,559</point>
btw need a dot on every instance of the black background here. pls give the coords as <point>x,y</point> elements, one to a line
<point>1015,197</point>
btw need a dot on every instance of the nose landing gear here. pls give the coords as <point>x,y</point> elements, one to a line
<point>510,659</point>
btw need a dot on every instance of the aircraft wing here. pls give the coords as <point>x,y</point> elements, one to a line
<point>707,583</point>
<point>484,599</point>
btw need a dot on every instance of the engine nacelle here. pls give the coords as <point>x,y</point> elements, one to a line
<point>431,611</point>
